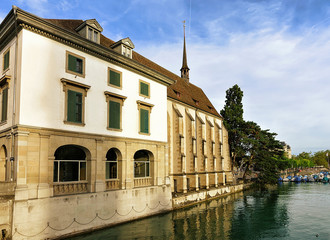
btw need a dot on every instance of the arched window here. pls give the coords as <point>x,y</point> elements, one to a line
<point>111,164</point>
<point>3,164</point>
<point>141,164</point>
<point>70,164</point>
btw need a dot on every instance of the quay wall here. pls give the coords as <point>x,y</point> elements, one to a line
<point>191,198</point>
<point>51,218</point>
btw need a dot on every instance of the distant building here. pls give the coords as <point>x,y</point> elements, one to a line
<point>287,150</point>
<point>92,133</point>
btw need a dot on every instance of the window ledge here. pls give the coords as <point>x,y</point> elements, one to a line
<point>114,129</point>
<point>73,123</point>
<point>142,133</point>
<point>115,86</point>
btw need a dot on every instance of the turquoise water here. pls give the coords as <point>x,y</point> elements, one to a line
<point>288,211</point>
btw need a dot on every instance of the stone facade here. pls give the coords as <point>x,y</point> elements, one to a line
<point>198,149</point>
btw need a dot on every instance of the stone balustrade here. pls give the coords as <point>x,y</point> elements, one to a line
<point>112,184</point>
<point>141,182</point>
<point>69,188</point>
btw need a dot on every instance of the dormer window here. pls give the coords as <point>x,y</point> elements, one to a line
<point>124,47</point>
<point>196,102</point>
<point>91,30</point>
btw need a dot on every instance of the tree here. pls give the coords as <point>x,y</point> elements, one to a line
<point>233,121</point>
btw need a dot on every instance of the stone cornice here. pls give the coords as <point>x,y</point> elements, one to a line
<point>43,27</point>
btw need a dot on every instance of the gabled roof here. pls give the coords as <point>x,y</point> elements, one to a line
<point>92,23</point>
<point>126,41</point>
<point>180,91</point>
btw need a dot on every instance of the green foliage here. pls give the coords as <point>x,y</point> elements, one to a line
<point>250,146</point>
<point>233,121</point>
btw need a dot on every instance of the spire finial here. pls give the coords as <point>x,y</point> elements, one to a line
<point>184,69</point>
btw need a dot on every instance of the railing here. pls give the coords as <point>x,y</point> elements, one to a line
<point>112,184</point>
<point>69,188</point>
<point>141,182</point>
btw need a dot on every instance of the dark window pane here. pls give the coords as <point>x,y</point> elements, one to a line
<point>69,171</point>
<point>139,169</point>
<point>55,174</point>
<point>111,170</point>
<point>83,171</point>
<point>70,152</point>
<point>111,155</point>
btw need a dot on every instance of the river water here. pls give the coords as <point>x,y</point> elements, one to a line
<point>287,211</point>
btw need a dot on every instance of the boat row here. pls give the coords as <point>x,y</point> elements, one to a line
<point>319,177</point>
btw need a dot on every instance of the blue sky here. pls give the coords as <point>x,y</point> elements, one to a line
<point>277,51</point>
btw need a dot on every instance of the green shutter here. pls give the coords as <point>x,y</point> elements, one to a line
<point>144,89</point>
<point>74,106</point>
<point>115,78</point>
<point>72,63</point>
<point>114,114</point>
<point>4,104</point>
<point>144,121</point>
<point>6,61</point>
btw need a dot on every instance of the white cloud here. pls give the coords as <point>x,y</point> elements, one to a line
<point>38,7</point>
<point>285,80</point>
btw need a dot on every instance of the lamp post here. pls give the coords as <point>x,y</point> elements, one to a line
<point>327,154</point>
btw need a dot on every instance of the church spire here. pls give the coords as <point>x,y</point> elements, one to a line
<point>184,69</point>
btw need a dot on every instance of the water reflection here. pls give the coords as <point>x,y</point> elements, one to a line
<point>289,211</point>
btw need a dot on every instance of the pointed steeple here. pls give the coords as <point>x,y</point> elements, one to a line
<point>184,69</point>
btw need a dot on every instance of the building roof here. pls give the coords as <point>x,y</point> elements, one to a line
<point>181,91</point>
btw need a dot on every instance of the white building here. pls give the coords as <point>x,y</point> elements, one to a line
<point>83,129</point>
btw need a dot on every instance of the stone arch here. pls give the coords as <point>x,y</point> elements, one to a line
<point>71,164</point>
<point>3,164</point>
<point>143,163</point>
<point>113,164</point>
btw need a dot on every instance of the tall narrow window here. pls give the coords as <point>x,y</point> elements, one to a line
<point>6,60</point>
<point>111,165</point>
<point>4,104</point>
<point>144,120</point>
<point>90,34</point>
<point>114,112</point>
<point>144,117</point>
<point>144,89</point>
<point>115,79</point>
<point>115,104</point>
<point>75,64</point>
<point>74,106</point>
<point>75,94</point>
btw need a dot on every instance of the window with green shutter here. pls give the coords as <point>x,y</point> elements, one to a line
<point>144,120</point>
<point>114,78</point>
<point>114,114</point>
<point>4,104</point>
<point>74,107</point>
<point>6,60</point>
<point>75,64</point>
<point>144,89</point>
